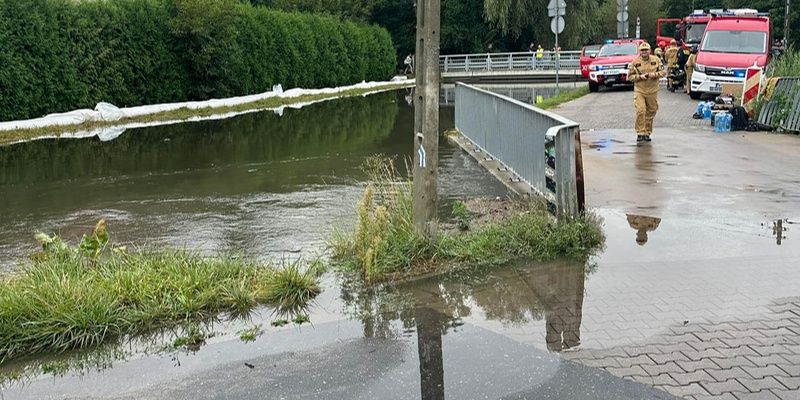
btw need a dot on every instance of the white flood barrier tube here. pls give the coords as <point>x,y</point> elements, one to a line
<point>106,112</point>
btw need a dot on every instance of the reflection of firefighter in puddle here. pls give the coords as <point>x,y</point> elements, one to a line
<point>642,224</point>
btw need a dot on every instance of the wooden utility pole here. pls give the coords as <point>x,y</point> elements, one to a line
<point>426,117</point>
<point>787,17</point>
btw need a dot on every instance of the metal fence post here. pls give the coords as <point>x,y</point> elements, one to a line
<point>566,187</point>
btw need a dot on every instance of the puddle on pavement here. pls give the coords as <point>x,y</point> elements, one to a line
<point>643,225</point>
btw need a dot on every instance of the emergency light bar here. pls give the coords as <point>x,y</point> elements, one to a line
<point>741,12</point>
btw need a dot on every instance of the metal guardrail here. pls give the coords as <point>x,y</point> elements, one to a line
<point>522,61</point>
<point>784,107</point>
<point>538,146</point>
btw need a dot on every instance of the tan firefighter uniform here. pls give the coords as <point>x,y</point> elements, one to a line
<point>671,56</point>
<point>642,224</point>
<point>690,63</point>
<point>658,52</point>
<point>645,92</point>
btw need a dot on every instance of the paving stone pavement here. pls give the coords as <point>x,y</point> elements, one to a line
<point>727,324</point>
<point>730,357</point>
<point>613,109</point>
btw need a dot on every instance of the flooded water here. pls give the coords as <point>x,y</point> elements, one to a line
<point>264,184</point>
<point>680,254</point>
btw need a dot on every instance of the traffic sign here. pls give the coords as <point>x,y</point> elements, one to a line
<point>556,7</point>
<point>622,16</point>
<point>557,25</point>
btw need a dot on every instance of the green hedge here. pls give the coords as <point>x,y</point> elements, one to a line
<point>59,55</point>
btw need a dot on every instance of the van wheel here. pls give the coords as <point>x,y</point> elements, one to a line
<point>694,95</point>
<point>593,87</point>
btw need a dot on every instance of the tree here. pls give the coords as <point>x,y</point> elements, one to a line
<point>513,17</point>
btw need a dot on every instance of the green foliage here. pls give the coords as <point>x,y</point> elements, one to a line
<point>513,17</point>
<point>461,215</point>
<point>58,55</point>
<point>301,319</point>
<point>384,245</point>
<point>786,65</point>
<point>384,240</point>
<point>563,97</point>
<point>648,12</point>
<point>68,299</point>
<point>251,334</point>
<point>192,338</point>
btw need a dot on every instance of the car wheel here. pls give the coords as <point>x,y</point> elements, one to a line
<point>593,87</point>
<point>694,95</point>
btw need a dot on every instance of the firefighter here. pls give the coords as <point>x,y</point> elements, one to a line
<point>642,224</point>
<point>690,63</point>
<point>659,52</point>
<point>671,56</point>
<point>645,71</point>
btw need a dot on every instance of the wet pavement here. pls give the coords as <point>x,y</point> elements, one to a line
<point>696,294</point>
<point>701,236</point>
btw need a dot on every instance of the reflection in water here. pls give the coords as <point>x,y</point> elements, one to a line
<point>523,293</point>
<point>429,345</point>
<point>642,224</point>
<point>778,229</point>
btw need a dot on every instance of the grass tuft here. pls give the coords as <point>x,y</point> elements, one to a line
<point>563,97</point>
<point>384,246</point>
<point>785,65</point>
<point>251,334</point>
<point>68,298</point>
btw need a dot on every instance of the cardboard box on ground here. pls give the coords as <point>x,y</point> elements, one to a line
<point>734,89</point>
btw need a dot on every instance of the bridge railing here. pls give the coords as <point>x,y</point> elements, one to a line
<point>538,146</point>
<point>522,61</point>
<point>783,109</point>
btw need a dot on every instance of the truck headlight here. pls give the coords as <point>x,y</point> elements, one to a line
<point>700,68</point>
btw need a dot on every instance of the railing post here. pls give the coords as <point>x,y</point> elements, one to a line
<point>446,64</point>
<point>466,63</point>
<point>566,187</point>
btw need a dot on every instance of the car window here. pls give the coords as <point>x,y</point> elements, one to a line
<point>694,32</point>
<point>624,49</point>
<point>745,42</point>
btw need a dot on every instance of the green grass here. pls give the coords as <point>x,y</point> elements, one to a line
<point>12,136</point>
<point>786,65</point>
<point>563,97</point>
<point>70,297</point>
<point>251,334</point>
<point>385,247</point>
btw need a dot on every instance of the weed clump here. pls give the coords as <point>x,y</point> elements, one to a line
<point>384,239</point>
<point>384,245</point>
<point>70,297</point>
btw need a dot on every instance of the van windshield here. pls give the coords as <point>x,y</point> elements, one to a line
<point>694,32</point>
<point>624,49</point>
<point>745,42</point>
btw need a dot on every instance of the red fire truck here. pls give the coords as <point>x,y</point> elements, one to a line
<point>688,29</point>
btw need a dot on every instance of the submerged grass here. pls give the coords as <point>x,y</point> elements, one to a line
<point>563,97</point>
<point>12,136</point>
<point>384,245</point>
<point>70,297</point>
